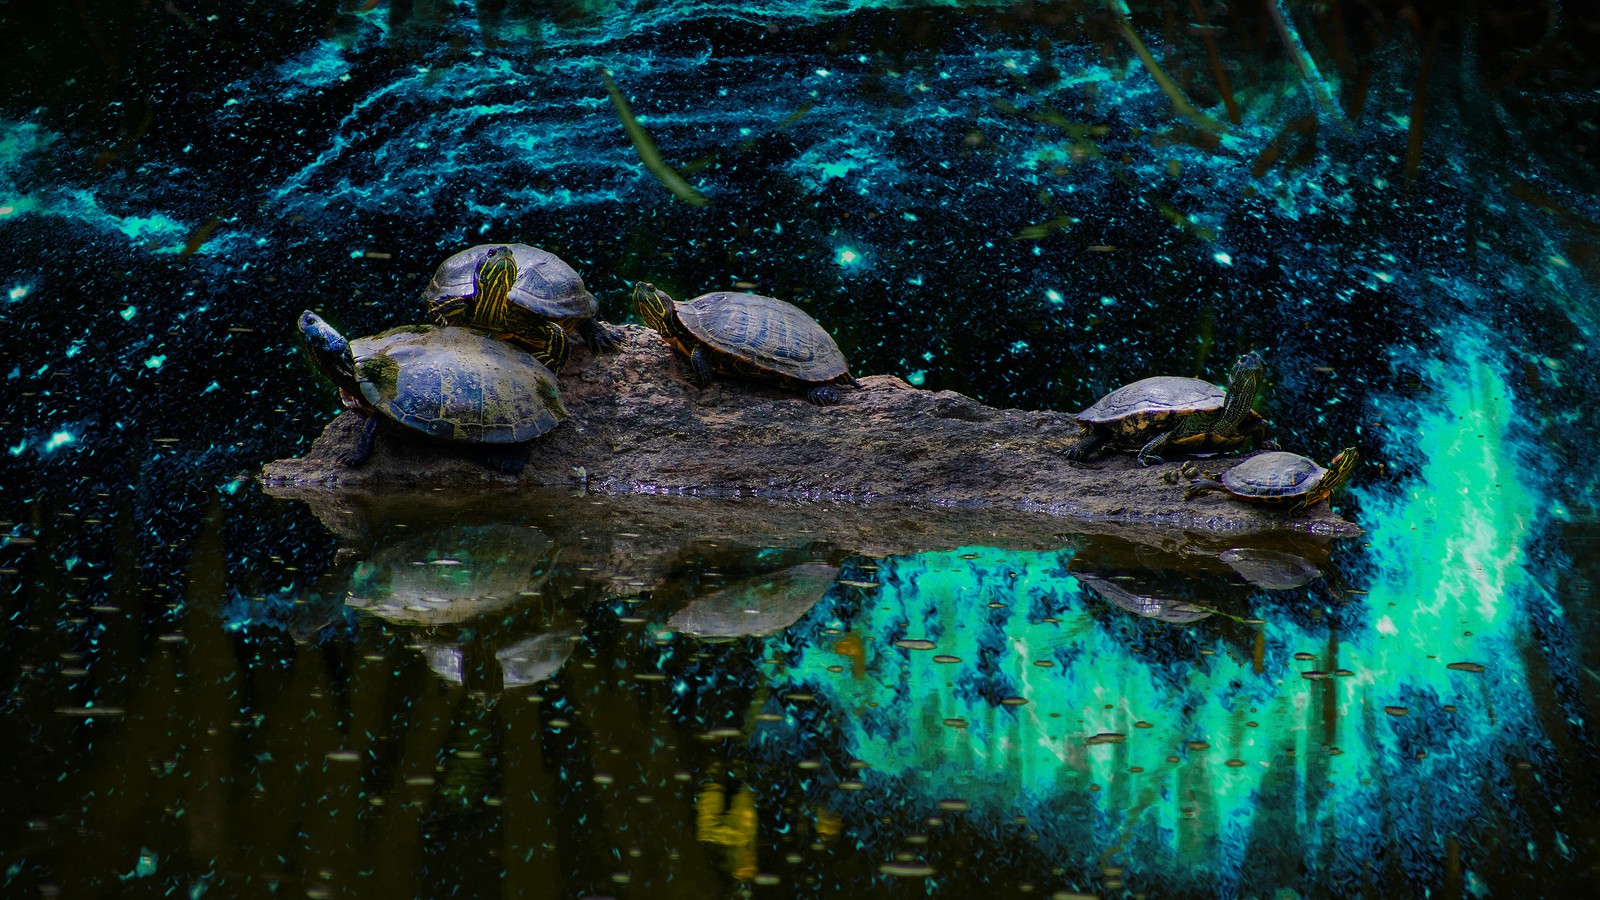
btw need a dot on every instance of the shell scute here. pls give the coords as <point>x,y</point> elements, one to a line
<point>765,333</point>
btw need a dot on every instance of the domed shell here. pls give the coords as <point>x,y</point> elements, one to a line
<point>456,384</point>
<point>545,284</point>
<point>1275,474</point>
<point>767,333</point>
<point>1154,397</point>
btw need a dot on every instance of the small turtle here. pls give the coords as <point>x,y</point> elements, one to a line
<point>1173,413</point>
<point>748,335</point>
<point>520,293</point>
<point>451,384</point>
<point>1282,479</point>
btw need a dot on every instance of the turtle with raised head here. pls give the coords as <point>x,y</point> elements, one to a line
<point>448,384</point>
<point>520,293</point>
<point>1282,479</point>
<point>750,336</point>
<point>1169,413</point>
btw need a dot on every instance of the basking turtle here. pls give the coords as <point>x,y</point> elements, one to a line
<point>1169,413</point>
<point>451,384</point>
<point>1282,479</point>
<point>520,293</point>
<point>749,335</point>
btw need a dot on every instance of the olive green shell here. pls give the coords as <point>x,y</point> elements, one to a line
<point>545,285</point>
<point>766,335</point>
<point>1275,476</point>
<point>455,384</point>
<point>1152,404</point>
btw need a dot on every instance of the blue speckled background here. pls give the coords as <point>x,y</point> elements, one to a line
<point>994,198</point>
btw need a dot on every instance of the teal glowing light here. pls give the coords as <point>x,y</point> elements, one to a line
<point>155,362</point>
<point>917,377</point>
<point>58,440</point>
<point>848,256</point>
<point>18,448</point>
<point>128,313</point>
<point>1222,258</point>
<point>1054,296</point>
<point>19,292</point>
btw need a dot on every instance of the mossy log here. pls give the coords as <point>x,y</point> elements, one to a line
<point>637,425</point>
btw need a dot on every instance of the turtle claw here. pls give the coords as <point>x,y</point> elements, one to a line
<point>600,337</point>
<point>823,395</point>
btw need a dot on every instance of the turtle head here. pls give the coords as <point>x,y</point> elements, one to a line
<point>329,351</point>
<point>653,306</point>
<point>492,282</point>
<point>1339,469</point>
<point>1242,387</point>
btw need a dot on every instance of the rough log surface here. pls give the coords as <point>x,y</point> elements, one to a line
<point>637,425</point>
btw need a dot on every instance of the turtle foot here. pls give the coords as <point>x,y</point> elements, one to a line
<point>823,395</point>
<point>601,337</point>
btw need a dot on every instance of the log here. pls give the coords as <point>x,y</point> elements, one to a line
<point>637,425</point>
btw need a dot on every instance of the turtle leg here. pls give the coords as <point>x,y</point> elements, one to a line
<point>701,361</point>
<point>509,459</point>
<point>600,337</point>
<point>448,310</point>
<point>1090,443</point>
<point>1195,490</point>
<point>1148,454</point>
<point>1261,434</point>
<point>548,344</point>
<point>362,448</point>
<point>823,395</point>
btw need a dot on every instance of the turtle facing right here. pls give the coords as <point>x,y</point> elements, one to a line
<point>1170,412</point>
<point>1282,479</point>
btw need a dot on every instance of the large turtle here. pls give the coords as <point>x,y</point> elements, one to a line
<point>450,384</point>
<point>1282,479</point>
<point>1168,413</point>
<point>520,293</point>
<point>749,335</point>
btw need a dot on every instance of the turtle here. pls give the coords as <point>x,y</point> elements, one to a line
<point>446,383</point>
<point>748,335</point>
<point>520,293</point>
<point>1280,478</point>
<point>1170,412</point>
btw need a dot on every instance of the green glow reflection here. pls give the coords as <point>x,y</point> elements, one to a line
<point>1320,729</point>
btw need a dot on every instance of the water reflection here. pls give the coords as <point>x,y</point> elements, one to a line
<point>607,695</point>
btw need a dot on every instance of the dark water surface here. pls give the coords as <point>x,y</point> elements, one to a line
<point>208,691</point>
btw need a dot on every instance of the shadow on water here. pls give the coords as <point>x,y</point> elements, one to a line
<point>618,695</point>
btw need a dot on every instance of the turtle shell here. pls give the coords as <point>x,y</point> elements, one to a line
<point>1145,403</point>
<point>456,384</point>
<point>1270,476</point>
<point>545,285</point>
<point>767,335</point>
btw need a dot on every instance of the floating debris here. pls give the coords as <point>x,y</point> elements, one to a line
<point>646,148</point>
<point>1106,737</point>
<point>1466,667</point>
<point>915,644</point>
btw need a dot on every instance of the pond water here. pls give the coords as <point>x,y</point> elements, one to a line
<point>210,690</point>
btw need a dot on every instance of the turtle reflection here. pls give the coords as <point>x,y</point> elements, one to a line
<point>451,574</point>
<point>758,606</point>
<point>1269,569</point>
<point>1185,581</point>
<point>528,661</point>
